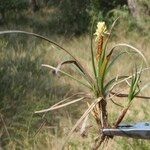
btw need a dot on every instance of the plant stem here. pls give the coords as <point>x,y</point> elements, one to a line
<point>104,115</point>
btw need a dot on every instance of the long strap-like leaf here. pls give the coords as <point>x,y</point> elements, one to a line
<point>68,75</point>
<point>68,62</point>
<point>52,42</point>
<point>59,106</point>
<point>114,60</point>
<point>126,95</point>
<point>71,62</point>
<point>133,48</point>
<point>110,32</point>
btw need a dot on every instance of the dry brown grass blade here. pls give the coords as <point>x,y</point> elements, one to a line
<point>81,119</point>
<point>107,40</point>
<point>77,94</point>
<point>126,95</point>
<point>121,116</point>
<point>70,97</point>
<point>96,113</point>
<point>62,101</point>
<point>59,106</point>
<point>84,125</point>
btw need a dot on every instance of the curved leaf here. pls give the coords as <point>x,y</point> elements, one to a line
<point>70,76</point>
<point>114,60</point>
<point>70,62</point>
<point>52,42</point>
<point>133,48</point>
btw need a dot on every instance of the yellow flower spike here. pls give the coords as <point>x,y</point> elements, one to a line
<point>101,30</point>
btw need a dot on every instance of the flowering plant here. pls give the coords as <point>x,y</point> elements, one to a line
<point>101,89</point>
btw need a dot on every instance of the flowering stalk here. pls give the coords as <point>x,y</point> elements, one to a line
<point>102,63</point>
<point>101,30</point>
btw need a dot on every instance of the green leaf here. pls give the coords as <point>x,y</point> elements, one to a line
<point>68,75</point>
<point>134,85</point>
<point>114,60</point>
<point>52,42</point>
<point>102,71</point>
<point>72,62</point>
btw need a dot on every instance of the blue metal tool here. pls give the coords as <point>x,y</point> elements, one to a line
<point>140,130</point>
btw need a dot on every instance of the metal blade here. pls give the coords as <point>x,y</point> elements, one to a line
<point>139,130</point>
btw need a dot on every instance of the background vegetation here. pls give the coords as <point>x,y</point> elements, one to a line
<point>26,87</point>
